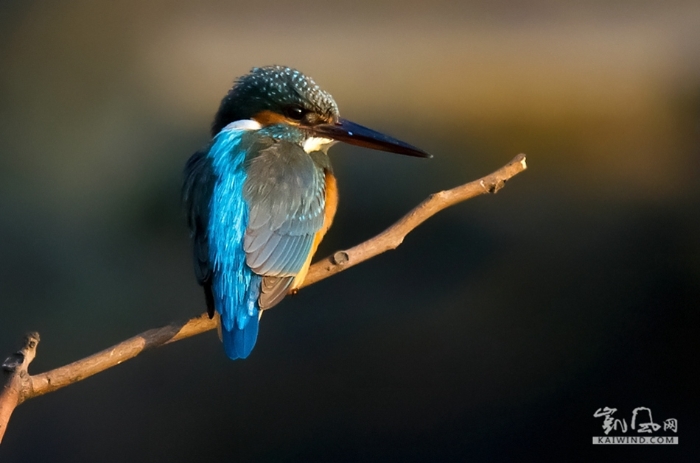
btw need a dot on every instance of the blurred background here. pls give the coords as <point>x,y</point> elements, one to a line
<point>492,334</point>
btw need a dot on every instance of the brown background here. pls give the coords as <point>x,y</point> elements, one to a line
<point>492,334</point>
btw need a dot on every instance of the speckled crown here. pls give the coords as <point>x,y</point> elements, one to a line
<point>273,88</point>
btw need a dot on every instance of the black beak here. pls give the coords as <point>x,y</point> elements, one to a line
<point>355,134</point>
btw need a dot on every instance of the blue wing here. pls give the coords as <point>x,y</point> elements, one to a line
<point>264,203</point>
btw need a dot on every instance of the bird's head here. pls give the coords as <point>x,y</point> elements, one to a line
<point>274,95</point>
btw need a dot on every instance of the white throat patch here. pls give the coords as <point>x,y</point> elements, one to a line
<point>317,144</point>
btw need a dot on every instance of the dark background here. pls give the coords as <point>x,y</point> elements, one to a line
<point>492,334</point>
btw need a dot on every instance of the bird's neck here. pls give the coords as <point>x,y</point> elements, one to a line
<point>284,132</point>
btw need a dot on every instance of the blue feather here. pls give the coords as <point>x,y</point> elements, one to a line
<point>236,288</point>
<point>264,200</point>
<point>240,339</point>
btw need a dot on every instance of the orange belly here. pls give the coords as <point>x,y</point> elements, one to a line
<point>329,213</point>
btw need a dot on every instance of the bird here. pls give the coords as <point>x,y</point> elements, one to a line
<point>261,195</point>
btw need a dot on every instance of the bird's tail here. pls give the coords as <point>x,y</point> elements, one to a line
<point>238,343</point>
<point>239,314</point>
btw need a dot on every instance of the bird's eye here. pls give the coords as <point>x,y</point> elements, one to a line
<point>296,113</point>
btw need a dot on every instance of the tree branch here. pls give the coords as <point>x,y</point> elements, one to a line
<point>16,385</point>
<point>393,236</point>
<point>20,386</point>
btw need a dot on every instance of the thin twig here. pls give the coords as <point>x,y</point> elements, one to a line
<point>63,376</point>
<point>393,236</point>
<point>20,386</point>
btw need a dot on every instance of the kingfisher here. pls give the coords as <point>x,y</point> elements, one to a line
<point>262,195</point>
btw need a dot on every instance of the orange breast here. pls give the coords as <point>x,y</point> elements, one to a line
<point>329,213</point>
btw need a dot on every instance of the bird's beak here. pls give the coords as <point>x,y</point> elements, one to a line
<point>355,134</point>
